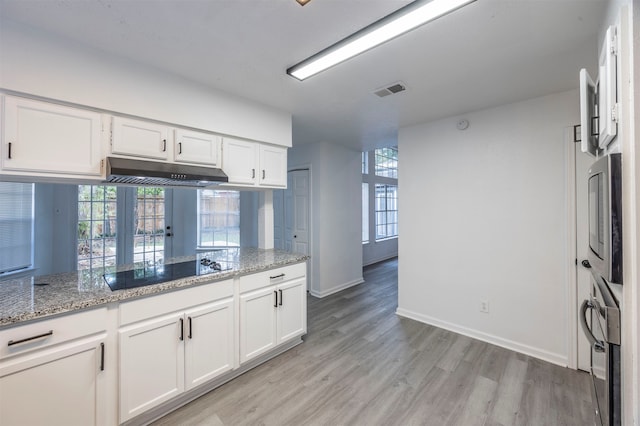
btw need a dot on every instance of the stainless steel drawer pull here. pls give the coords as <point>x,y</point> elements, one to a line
<point>277,276</point>
<point>28,339</point>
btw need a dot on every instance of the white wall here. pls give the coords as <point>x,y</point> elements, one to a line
<point>44,65</point>
<point>483,215</point>
<point>626,143</point>
<point>377,251</point>
<point>336,244</point>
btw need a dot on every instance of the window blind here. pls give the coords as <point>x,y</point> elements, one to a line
<point>16,225</point>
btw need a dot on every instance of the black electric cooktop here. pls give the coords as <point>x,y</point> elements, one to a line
<point>156,274</point>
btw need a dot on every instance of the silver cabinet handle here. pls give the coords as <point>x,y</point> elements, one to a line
<point>28,339</point>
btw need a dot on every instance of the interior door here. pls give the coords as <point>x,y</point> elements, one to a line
<point>297,211</point>
<point>583,274</point>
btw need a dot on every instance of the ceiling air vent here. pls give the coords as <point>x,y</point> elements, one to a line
<point>390,90</point>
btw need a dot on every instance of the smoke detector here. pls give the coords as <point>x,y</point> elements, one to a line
<point>392,89</point>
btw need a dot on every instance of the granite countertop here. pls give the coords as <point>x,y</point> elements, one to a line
<point>34,297</point>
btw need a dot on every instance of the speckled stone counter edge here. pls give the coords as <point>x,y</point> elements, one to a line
<point>22,300</point>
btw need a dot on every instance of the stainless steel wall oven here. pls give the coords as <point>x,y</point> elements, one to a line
<point>600,319</point>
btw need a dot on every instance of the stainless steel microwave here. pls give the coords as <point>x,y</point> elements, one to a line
<point>605,218</point>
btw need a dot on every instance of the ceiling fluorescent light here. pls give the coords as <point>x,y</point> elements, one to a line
<point>391,26</point>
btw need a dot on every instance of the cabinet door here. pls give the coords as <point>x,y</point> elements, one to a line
<point>50,138</point>
<point>239,160</point>
<point>151,364</point>
<point>139,138</point>
<point>292,310</point>
<point>196,147</point>
<point>273,166</point>
<point>257,322</point>
<point>208,342</point>
<point>60,386</point>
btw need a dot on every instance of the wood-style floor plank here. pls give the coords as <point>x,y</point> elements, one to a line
<point>361,364</point>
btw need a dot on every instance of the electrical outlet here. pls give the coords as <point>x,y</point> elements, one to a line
<point>484,306</point>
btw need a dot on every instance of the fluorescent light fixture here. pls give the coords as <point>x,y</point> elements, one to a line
<point>391,26</point>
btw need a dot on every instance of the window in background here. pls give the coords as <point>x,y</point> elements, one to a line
<point>96,226</point>
<point>365,163</point>
<point>16,226</point>
<point>387,162</point>
<point>365,213</point>
<point>148,234</point>
<point>218,218</point>
<point>386,211</point>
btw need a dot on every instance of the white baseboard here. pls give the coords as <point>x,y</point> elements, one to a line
<point>381,259</point>
<point>336,289</point>
<point>554,358</point>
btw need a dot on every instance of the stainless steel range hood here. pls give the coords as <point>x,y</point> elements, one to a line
<point>141,172</point>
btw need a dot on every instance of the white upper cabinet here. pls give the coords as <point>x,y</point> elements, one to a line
<point>254,164</point>
<point>139,138</point>
<point>239,161</point>
<point>40,137</point>
<point>197,147</point>
<point>273,166</point>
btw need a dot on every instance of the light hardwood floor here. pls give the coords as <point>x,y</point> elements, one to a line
<point>361,364</point>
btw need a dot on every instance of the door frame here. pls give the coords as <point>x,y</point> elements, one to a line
<point>573,285</point>
<point>572,255</point>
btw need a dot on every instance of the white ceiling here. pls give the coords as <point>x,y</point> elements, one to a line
<point>489,53</point>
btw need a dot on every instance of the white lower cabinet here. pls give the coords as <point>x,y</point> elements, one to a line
<point>209,347</point>
<point>273,309</point>
<point>54,372</point>
<point>166,355</point>
<point>151,365</point>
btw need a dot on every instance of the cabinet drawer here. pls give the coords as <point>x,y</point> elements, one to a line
<point>48,332</point>
<point>162,304</point>
<point>272,277</point>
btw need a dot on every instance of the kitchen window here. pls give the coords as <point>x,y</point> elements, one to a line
<point>218,218</point>
<point>386,211</point>
<point>149,225</point>
<point>97,226</point>
<point>16,226</point>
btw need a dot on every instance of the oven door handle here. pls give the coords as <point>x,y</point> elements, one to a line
<point>597,345</point>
